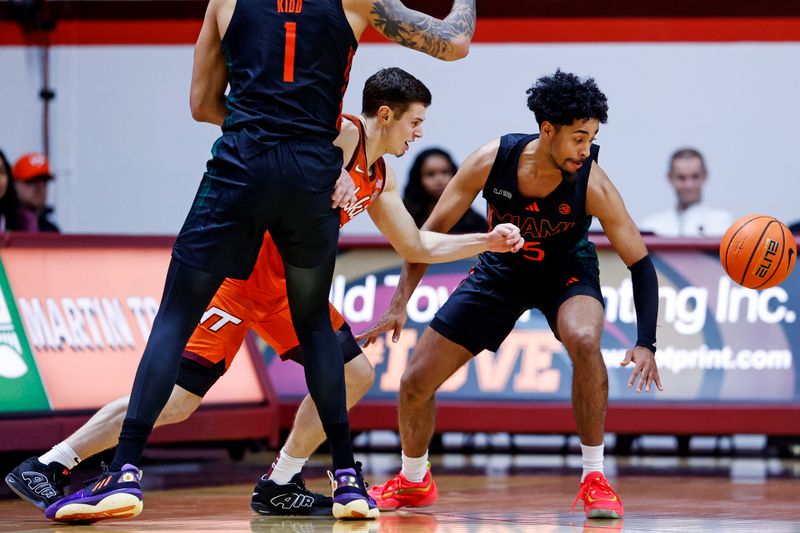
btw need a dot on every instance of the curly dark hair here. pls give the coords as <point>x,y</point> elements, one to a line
<point>416,200</point>
<point>562,98</point>
<point>393,87</point>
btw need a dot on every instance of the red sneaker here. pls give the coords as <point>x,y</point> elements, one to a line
<point>400,492</point>
<point>599,499</point>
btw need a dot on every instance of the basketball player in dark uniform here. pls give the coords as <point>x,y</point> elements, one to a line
<point>274,168</point>
<point>550,186</point>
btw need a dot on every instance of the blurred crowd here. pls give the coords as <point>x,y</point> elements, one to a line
<point>23,196</point>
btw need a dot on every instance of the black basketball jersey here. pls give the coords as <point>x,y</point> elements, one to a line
<point>288,67</point>
<point>554,227</point>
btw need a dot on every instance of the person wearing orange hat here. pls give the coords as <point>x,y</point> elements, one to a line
<point>31,173</point>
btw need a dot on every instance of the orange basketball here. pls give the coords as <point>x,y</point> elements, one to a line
<point>758,251</point>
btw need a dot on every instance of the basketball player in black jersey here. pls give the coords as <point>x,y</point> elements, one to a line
<point>274,168</point>
<point>549,185</point>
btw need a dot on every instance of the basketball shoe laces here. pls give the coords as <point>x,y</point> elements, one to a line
<point>61,477</point>
<point>591,488</point>
<point>391,486</point>
<point>357,468</point>
<point>104,468</point>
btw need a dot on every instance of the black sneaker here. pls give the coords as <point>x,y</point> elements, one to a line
<point>292,499</point>
<point>38,483</point>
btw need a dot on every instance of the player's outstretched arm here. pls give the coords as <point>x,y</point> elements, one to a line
<point>454,202</point>
<point>344,192</point>
<point>209,74</point>
<point>446,39</point>
<point>416,246</point>
<point>604,201</point>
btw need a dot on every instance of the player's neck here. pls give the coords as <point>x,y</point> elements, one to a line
<point>375,145</point>
<point>538,162</point>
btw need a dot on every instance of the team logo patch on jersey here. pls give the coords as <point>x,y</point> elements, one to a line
<point>564,209</point>
<point>501,192</point>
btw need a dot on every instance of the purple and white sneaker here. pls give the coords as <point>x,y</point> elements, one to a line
<point>350,498</point>
<point>112,495</point>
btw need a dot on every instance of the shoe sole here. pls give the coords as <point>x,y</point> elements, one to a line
<point>11,481</point>
<point>404,506</point>
<point>264,510</point>
<point>355,510</point>
<point>114,506</point>
<point>603,513</point>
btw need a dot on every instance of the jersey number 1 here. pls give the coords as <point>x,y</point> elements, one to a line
<point>288,51</point>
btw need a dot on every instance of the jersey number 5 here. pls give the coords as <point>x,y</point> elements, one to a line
<point>288,51</point>
<point>531,252</point>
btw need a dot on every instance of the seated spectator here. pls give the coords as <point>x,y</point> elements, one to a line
<point>430,173</point>
<point>31,174</point>
<point>9,204</point>
<point>690,217</point>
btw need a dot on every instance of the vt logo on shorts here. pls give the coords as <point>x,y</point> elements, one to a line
<point>223,318</point>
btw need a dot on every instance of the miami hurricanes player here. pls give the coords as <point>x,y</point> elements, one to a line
<point>551,185</point>
<point>393,111</point>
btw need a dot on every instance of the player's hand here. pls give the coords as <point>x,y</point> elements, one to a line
<point>646,369</point>
<point>505,238</point>
<point>344,192</point>
<point>391,320</point>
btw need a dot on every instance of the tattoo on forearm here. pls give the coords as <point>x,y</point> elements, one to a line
<point>423,32</point>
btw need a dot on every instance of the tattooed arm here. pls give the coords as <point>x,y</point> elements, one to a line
<point>447,39</point>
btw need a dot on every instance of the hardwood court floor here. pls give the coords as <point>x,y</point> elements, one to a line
<point>474,504</point>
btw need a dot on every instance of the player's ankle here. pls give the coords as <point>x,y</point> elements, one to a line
<point>286,467</point>
<point>62,454</point>
<point>414,468</point>
<point>592,459</point>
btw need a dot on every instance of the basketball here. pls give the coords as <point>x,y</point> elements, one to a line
<point>758,251</point>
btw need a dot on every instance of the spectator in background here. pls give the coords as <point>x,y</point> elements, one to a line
<point>9,204</point>
<point>430,173</point>
<point>691,217</point>
<point>31,174</point>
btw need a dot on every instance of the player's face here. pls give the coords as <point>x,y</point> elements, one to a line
<point>688,177</point>
<point>435,174</point>
<point>405,129</point>
<point>570,145</point>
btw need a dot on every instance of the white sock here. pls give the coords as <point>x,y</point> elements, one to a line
<point>285,467</point>
<point>63,454</point>
<point>414,468</point>
<point>592,459</point>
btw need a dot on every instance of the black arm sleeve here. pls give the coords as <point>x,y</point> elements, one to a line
<point>645,300</point>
